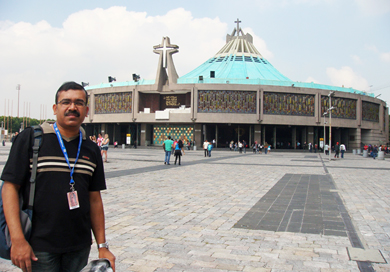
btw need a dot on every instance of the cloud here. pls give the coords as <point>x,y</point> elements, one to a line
<point>373,7</point>
<point>385,57</point>
<point>346,77</point>
<point>356,59</point>
<point>94,44</point>
<point>311,79</point>
<point>259,44</point>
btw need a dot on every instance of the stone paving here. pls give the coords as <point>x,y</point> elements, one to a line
<point>182,218</point>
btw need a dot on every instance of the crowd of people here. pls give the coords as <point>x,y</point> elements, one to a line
<point>177,146</point>
<point>102,143</point>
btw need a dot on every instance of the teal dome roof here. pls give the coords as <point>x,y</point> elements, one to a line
<point>237,60</point>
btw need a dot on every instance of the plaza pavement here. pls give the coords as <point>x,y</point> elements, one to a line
<point>186,218</point>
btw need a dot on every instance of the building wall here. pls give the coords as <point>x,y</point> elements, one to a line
<point>363,118</point>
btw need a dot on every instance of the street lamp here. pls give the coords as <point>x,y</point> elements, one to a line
<point>325,113</point>
<point>330,122</point>
<point>18,88</point>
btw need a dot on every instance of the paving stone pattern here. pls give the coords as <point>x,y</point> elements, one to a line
<point>183,218</point>
<point>297,203</point>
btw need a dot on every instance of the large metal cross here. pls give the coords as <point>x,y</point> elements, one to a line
<point>238,26</point>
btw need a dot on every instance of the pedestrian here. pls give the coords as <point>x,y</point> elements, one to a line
<point>99,141</point>
<point>105,143</point>
<point>167,146</point>
<point>269,149</point>
<point>13,137</point>
<point>254,147</point>
<point>205,145</point>
<point>375,151</point>
<point>178,147</point>
<point>71,169</point>
<point>337,150</point>
<point>115,144</point>
<point>342,150</point>
<point>261,148</point>
<point>240,146</point>
<point>244,145</point>
<point>209,148</point>
<point>326,149</point>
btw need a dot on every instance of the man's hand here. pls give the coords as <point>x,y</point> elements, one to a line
<point>22,254</point>
<point>105,253</point>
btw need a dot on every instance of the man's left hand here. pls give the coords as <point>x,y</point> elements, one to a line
<point>105,253</point>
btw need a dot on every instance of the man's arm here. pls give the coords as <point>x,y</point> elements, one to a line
<point>21,251</point>
<point>98,228</point>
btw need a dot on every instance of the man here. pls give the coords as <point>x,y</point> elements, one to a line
<point>167,145</point>
<point>67,204</point>
<point>205,148</point>
<point>336,150</point>
<point>342,150</point>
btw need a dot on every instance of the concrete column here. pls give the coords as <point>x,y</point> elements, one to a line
<point>304,136</point>
<point>310,135</point>
<point>257,136</point>
<point>294,137</point>
<point>274,143</point>
<point>263,135</point>
<point>216,136</point>
<point>143,135</point>
<point>198,135</point>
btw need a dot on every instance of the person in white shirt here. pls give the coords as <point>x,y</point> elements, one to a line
<point>342,150</point>
<point>206,151</point>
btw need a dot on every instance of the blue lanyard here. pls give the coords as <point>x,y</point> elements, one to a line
<point>63,148</point>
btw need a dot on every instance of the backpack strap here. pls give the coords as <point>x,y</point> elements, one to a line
<point>37,138</point>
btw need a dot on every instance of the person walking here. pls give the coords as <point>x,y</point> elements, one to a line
<point>167,146</point>
<point>205,145</point>
<point>178,147</point>
<point>337,150</point>
<point>209,148</point>
<point>72,169</point>
<point>105,144</point>
<point>342,150</point>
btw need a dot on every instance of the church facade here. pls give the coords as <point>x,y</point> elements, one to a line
<point>235,95</point>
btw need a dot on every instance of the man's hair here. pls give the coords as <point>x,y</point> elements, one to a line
<point>169,137</point>
<point>71,85</point>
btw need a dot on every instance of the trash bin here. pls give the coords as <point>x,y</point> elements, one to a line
<point>359,152</point>
<point>123,146</point>
<point>354,151</point>
<point>365,153</point>
<point>194,147</point>
<point>381,155</point>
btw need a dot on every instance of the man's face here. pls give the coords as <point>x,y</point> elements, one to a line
<point>70,108</point>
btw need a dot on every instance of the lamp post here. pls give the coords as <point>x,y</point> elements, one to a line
<point>18,88</point>
<point>330,122</point>
<point>325,113</point>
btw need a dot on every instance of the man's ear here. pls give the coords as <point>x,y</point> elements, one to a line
<point>54,109</point>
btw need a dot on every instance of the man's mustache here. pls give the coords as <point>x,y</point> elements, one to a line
<point>72,112</point>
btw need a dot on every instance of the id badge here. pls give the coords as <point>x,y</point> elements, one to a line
<point>73,200</point>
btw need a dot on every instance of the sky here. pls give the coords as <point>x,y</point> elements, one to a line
<point>44,43</point>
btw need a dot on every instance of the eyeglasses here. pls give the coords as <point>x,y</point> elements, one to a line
<point>68,102</point>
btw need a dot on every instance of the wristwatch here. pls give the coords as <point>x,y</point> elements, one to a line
<point>105,245</point>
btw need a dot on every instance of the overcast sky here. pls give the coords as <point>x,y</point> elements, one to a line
<point>45,43</point>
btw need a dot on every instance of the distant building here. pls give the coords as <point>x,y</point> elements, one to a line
<point>235,95</point>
